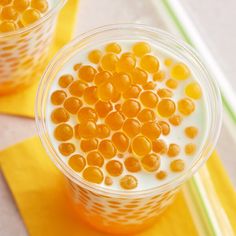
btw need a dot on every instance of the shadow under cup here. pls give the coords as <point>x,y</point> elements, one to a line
<point>24,53</point>
<point>126,211</point>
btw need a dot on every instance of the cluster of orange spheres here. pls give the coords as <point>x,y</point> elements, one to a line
<point>15,14</point>
<point>116,107</point>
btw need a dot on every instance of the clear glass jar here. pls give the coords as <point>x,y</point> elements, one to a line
<point>120,211</point>
<point>24,52</point>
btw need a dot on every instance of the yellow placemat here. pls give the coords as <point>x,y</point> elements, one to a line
<point>38,189</point>
<point>22,103</point>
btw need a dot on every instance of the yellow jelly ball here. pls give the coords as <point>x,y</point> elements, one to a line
<point>149,63</point>
<point>95,56</point>
<point>141,48</point>
<point>30,16</point>
<point>180,72</point>
<point>193,90</point>
<point>93,174</point>
<point>141,145</point>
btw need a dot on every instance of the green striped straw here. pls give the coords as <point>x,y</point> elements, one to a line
<point>204,205</point>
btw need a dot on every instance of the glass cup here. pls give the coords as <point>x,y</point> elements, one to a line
<point>122,211</point>
<point>24,53</point>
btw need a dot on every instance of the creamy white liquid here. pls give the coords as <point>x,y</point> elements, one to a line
<point>198,119</point>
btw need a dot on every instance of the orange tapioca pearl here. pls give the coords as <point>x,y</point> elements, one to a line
<point>72,104</point>
<point>139,76</point>
<point>77,162</point>
<point>126,63</point>
<point>132,164</point>
<point>161,175</point>
<point>177,165</point>
<point>105,91</point>
<point>5,2</point>
<point>65,80</point>
<point>87,145</point>
<point>87,73</point>
<point>30,16</point>
<point>87,113</point>
<point>41,5</point>
<point>131,108</point>
<point>141,48</point>
<point>186,106</point>
<point>132,92</point>
<point>164,93</point>
<point>77,66</point>
<point>190,149</point>
<point>63,132</point>
<point>166,107</point>
<point>149,99</point>
<point>94,56</point>
<point>173,150</point>
<point>9,13</point>
<point>165,127</point>
<point>180,71</point>
<point>149,85</point>
<point>172,83</point>
<point>93,174</point>
<point>21,5</point>
<point>193,90</point>
<point>103,131</point>
<point>59,115</point>
<point>159,76</point>
<point>115,120</point>
<point>94,158</point>
<point>113,47</point>
<point>151,130</point>
<point>101,77</point>
<point>109,61</point>
<point>108,181</point>
<point>128,182</point>
<point>159,146</point>
<point>77,88</point>
<point>146,115</point>
<point>141,145</point>
<point>191,131</point>
<point>107,148</point>
<point>121,141</point>
<point>175,120</point>
<point>58,97</point>
<point>90,95</point>
<point>151,162</point>
<point>149,63</point>
<point>114,168</point>
<point>103,108</point>
<point>132,127</point>
<point>8,26</point>
<point>121,81</point>
<point>66,148</point>
<point>88,129</point>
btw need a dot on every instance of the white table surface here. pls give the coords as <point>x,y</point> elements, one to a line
<point>215,20</point>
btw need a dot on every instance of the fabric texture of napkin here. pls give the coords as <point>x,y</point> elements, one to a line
<point>22,103</point>
<point>38,189</point>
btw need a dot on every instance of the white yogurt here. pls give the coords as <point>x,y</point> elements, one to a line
<point>198,119</point>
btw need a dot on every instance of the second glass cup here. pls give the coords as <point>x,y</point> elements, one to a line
<point>122,211</point>
<point>24,52</point>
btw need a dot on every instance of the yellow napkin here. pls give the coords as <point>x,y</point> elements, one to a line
<point>22,103</point>
<point>38,189</point>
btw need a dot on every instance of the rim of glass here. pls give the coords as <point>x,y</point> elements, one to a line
<point>52,11</point>
<point>215,112</point>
